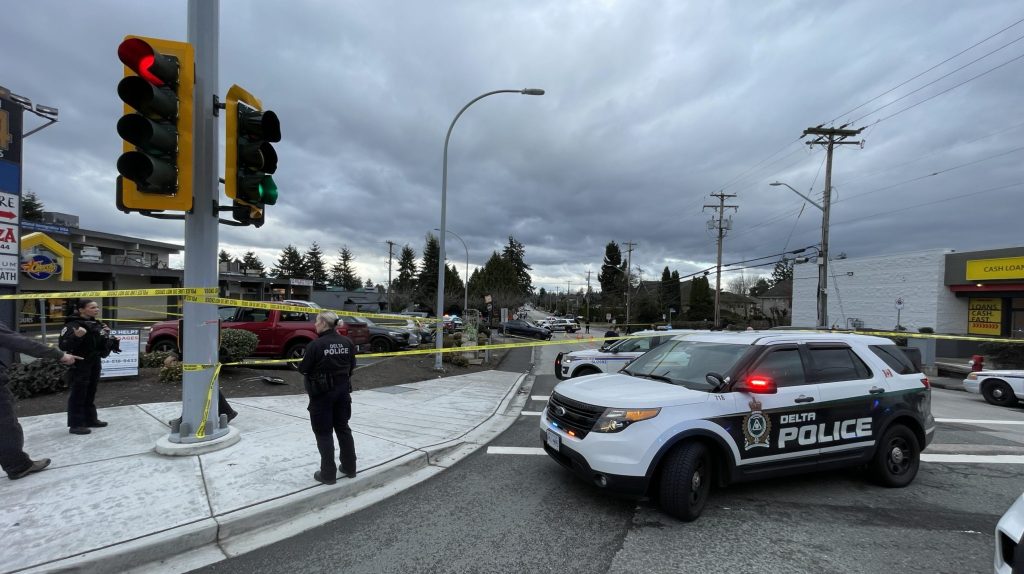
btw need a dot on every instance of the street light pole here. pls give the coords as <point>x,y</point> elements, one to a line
<point>822,299</point>
<point>439,336</point>
<point>465,301</point>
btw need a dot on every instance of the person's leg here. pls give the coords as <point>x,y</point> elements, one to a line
<point>342,413</point>
<point>224,408</point>
<point>78,381</point>
<point>320,420</point>
<point>90,397</point>
<point>12,458</point>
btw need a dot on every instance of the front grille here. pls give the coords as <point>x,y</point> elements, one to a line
<point>579,417</point>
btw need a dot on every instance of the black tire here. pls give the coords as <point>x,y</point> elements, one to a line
<point>380,345</point>
<point>997,392</point>
<point>685,481</point>
<point>584,371</point>
<point>165,346</point>
<point>897,458</point>
<point>295,351</point>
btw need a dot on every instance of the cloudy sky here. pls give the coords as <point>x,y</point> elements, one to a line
<point>650,107</point>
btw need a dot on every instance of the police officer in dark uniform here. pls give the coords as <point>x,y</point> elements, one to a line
<point>85,336</point>
<point>327,365</point>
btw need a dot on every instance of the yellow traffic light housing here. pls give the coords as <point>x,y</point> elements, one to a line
<point>250,159</point>
<point>157,90</point>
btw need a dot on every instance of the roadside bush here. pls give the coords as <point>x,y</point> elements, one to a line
<point>452,341</point>
<point>926,330</point>
<point>236,344</point>
<point>40,377</point>
<point>1005,354</point>
<point>171,374</point>
<point>154,360</point>
<point>455,359</point>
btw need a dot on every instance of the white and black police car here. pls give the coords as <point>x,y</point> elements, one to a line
<point>729,407</point>
<point>612,356</point>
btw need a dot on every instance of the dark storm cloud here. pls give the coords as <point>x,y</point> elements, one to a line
<point>650,107</point>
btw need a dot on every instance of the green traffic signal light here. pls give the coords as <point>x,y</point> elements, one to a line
<point>268,191</point>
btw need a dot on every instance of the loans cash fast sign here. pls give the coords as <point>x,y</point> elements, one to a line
<point>985,316</point>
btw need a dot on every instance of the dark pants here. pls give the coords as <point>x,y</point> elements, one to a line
<point>223,407</point>
<point>12,459</point>
<point>328,415</point>
<point>84,376</point>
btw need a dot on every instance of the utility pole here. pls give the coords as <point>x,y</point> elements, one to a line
<point>588,296</point>
<point>629,261</point>
<point>722,225</point>
<point>391,247</point>
<point>828,137</point>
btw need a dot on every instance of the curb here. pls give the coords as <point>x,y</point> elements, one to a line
<point>211,540</point>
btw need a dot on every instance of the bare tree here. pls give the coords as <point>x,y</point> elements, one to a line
<point>740,284</point>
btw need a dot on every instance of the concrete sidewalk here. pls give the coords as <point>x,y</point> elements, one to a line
<point>108,503</point>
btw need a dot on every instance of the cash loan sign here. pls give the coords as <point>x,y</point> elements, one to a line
<point>157,89</point>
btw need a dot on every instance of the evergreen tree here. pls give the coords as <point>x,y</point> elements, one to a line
<point>783,270</point>
<point>252,263</point>
<point>426,282</point>
<point>224,256</point>
<point>515,254</point>
<point>31,207</point>
<point>343,273</point>
<point>315,267</point>
<point>368,284</point>
<point>406,280</point>
<point>702,300</point>
<point>760,287</point>
<point>667,288</point>
<point>290,264</point>
<point>674,301</point>
<point>611,279</point>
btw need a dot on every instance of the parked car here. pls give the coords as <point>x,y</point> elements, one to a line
<point>567,325</point>
<point>1000,388</point>
<point>383,338</point>
<point>612,356</point>
<point>522,328</point>
<point>281,334</point>
<point>419,332</point>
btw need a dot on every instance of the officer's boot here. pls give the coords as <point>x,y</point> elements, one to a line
<point>328,473</point>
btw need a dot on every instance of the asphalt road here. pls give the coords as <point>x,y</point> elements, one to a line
<point>524,513</point>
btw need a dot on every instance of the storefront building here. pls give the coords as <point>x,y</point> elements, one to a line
<point>992,283</point>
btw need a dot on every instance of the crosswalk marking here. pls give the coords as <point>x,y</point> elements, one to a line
<point>979,422</point>
<point>974,458</point>
<point>514,450</point>
<point>540,398</point>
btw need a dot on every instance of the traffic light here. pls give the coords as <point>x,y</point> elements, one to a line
<point>251,160</point>
<point>156,166</point>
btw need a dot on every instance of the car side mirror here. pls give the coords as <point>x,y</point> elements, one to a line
<point>756,384</point>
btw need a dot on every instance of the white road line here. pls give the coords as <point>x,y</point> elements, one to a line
<point>540,398</point>
<point>531,413</point>
<point>974,458</point>
<point>517,450</point>
<point>978,422</point>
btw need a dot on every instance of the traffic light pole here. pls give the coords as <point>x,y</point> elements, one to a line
<point>201,422</point>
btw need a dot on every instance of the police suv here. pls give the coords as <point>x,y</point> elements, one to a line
<point>612,356</point>
<point>730,407</point>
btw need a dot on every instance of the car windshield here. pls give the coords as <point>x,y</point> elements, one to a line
<point>687,363</point>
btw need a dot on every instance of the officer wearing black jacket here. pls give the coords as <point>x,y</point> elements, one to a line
<point>13,459</point>
<point>85,336</point>
<point>327,365</point>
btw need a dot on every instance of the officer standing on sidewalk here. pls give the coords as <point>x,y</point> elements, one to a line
<point>13,459</point>
<point>327,365</point>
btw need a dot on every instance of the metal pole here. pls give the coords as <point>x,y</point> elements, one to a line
<point>200,333</point>
<point>439,333</point>
<point>823,256</point>
<point>42,319</point>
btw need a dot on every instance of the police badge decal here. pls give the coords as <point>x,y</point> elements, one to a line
<point>757,428</point>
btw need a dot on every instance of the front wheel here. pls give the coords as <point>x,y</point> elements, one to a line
<point>686,481</point>
<point>897,458</point>
<point>296,351</point>
<point>165,346</point>
<point>998,393</point>
<point>380,345</point>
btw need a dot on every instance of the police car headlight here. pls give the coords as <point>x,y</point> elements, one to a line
<point>614,420</point>
<point>395,334</point>
<point>970,377</point>
<point>567,359</point>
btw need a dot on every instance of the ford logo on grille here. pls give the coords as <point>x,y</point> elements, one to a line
<point>560,411</point>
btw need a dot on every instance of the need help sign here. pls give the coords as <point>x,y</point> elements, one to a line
<point>125,363</point>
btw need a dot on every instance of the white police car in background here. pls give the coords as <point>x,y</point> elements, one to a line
<point>1009,557</point>
<point>612,356</point>
<point>1000,388</point>
<point>731,407</point>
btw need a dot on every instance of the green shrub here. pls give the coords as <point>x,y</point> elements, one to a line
<point>154,360</point>
<point>926,330</point>
<point>171,375</point>
<point>450,341</point>
<point>456,359</point>
<point>236,344</point>
<point>40,377</point>
<point>1005,354</point>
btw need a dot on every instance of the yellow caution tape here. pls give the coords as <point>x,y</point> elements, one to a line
<point>298,308</point>
<point>201,431</point>
<point>118,293</point>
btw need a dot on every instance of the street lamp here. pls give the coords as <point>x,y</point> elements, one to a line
<point>48,113</point>
<point>465,301</point>
<point>439,338</point>
<point>822,254</point>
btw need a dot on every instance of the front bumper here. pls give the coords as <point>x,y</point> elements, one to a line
<point>972,386</point>
<point>620,485</point>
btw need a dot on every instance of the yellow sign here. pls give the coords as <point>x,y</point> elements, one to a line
<point>64,255</point>
<point>985,316</point>
<point>1002,268</point>
<point>5,131</point>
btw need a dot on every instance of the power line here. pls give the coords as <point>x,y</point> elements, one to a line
<point>971,47</point>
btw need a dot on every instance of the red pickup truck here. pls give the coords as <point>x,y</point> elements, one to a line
<point>282,334</point>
